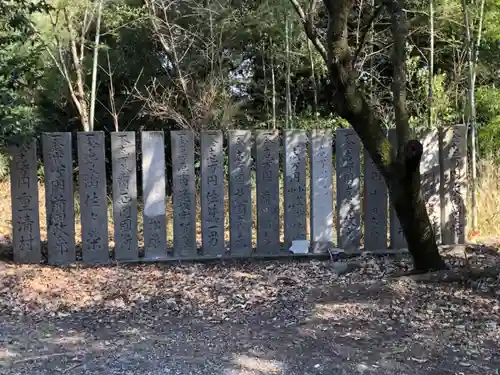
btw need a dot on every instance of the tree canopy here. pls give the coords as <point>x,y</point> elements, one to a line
<point>166,63</point>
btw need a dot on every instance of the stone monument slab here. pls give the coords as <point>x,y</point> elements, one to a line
<point>375,206</point>
<point>295,186</point>
<point>153,190</point>
<point>25,211</point>
<point>184,193</point>
<point>347,150</point>
<point>240,191</point>
<point>430,180</point>
<point>59,199</point>
<point>267,170</point>
<point>124,195</point>
<point>397,236</point>
<point>212,192</point>
<point>93,199</point>
<point>454,161</point>
<point>321,186</point>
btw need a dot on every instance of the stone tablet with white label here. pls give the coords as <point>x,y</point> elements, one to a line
<point>267,170</point>
<point>93,199</point>
<point>24,193</point>
<point>321,185</point>
<point>184,193</point>
<point>455,184</point>
<point>153,190</point>
<point>59,200</point>
<point>295,186</point>
<point>124,195</point>
<point>240,193</point>
<point>347,146</point>
<point>212,193</point>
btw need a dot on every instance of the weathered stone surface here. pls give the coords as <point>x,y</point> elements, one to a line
<point>397,237</point>
<point>93,200</point>
<point>347,146</point>
<point>153,190</point>
<point>321,186</point>
<point>124,195</point>
<point>454,174</point>
<point>212,193</point>
<point>25,212</point>
<point>295,186</point>
<point>240,195</point>
<point>59,199</point>
<point>184,193</point>
<point>375,207</point>
<point>430,180</point>
<point>267,170</point>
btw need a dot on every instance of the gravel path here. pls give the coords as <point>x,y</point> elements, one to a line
<point>262,318</point>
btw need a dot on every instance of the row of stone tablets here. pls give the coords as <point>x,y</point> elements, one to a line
<point>437,192</point>
<point>443,179</point>
<point>93,207</point>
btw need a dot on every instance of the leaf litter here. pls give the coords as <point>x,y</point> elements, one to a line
<point>356,305</point>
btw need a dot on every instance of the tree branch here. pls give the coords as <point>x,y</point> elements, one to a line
<point>80,83</point>
<point>169,46</point>
<point>59,63</point>
<point>399,29</point>
<point>348,100</point>
<point>337,33</point>
<point>365,33</point>
<point>311,32</point>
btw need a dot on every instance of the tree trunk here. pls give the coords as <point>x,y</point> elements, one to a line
<point>313,80</point>
<point>430,108</point>
<point>95,63</point>
<point>402,173</point>
<point>402,178</point>
<point>288,112</point>
<point>273,85</point>
<point>412,212</point>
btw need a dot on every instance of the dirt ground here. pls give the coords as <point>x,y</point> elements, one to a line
<point>293,317</point>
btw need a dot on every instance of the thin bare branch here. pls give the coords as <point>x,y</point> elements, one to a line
<point>94,65</point>
<point>365,30</point>
<point>80,83</point>
<point>311,32</point>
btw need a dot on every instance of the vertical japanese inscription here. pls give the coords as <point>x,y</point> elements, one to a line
<point>93,200</point>
<point>375,206</point>
<point>153,189</point>
<point>454,184</point>
<point>295,186</point>
<point>240,197</point>
<point>124,195</point>
<point>59,203</point>
<point>321,186</point>
<point>348,189</point>
<point>397,236</point>
<point>24,193</point>
<point>184,193</point>
<point>430,180</point>
<point>212,193</point>
<point>267,168</point>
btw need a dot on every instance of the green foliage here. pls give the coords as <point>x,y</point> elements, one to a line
<point>443,111</point>
<point>19,70</point>
<point>228,51</point>
<point>488,106</point>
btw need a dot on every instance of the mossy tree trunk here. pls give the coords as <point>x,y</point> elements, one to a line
<point>402,174</point>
